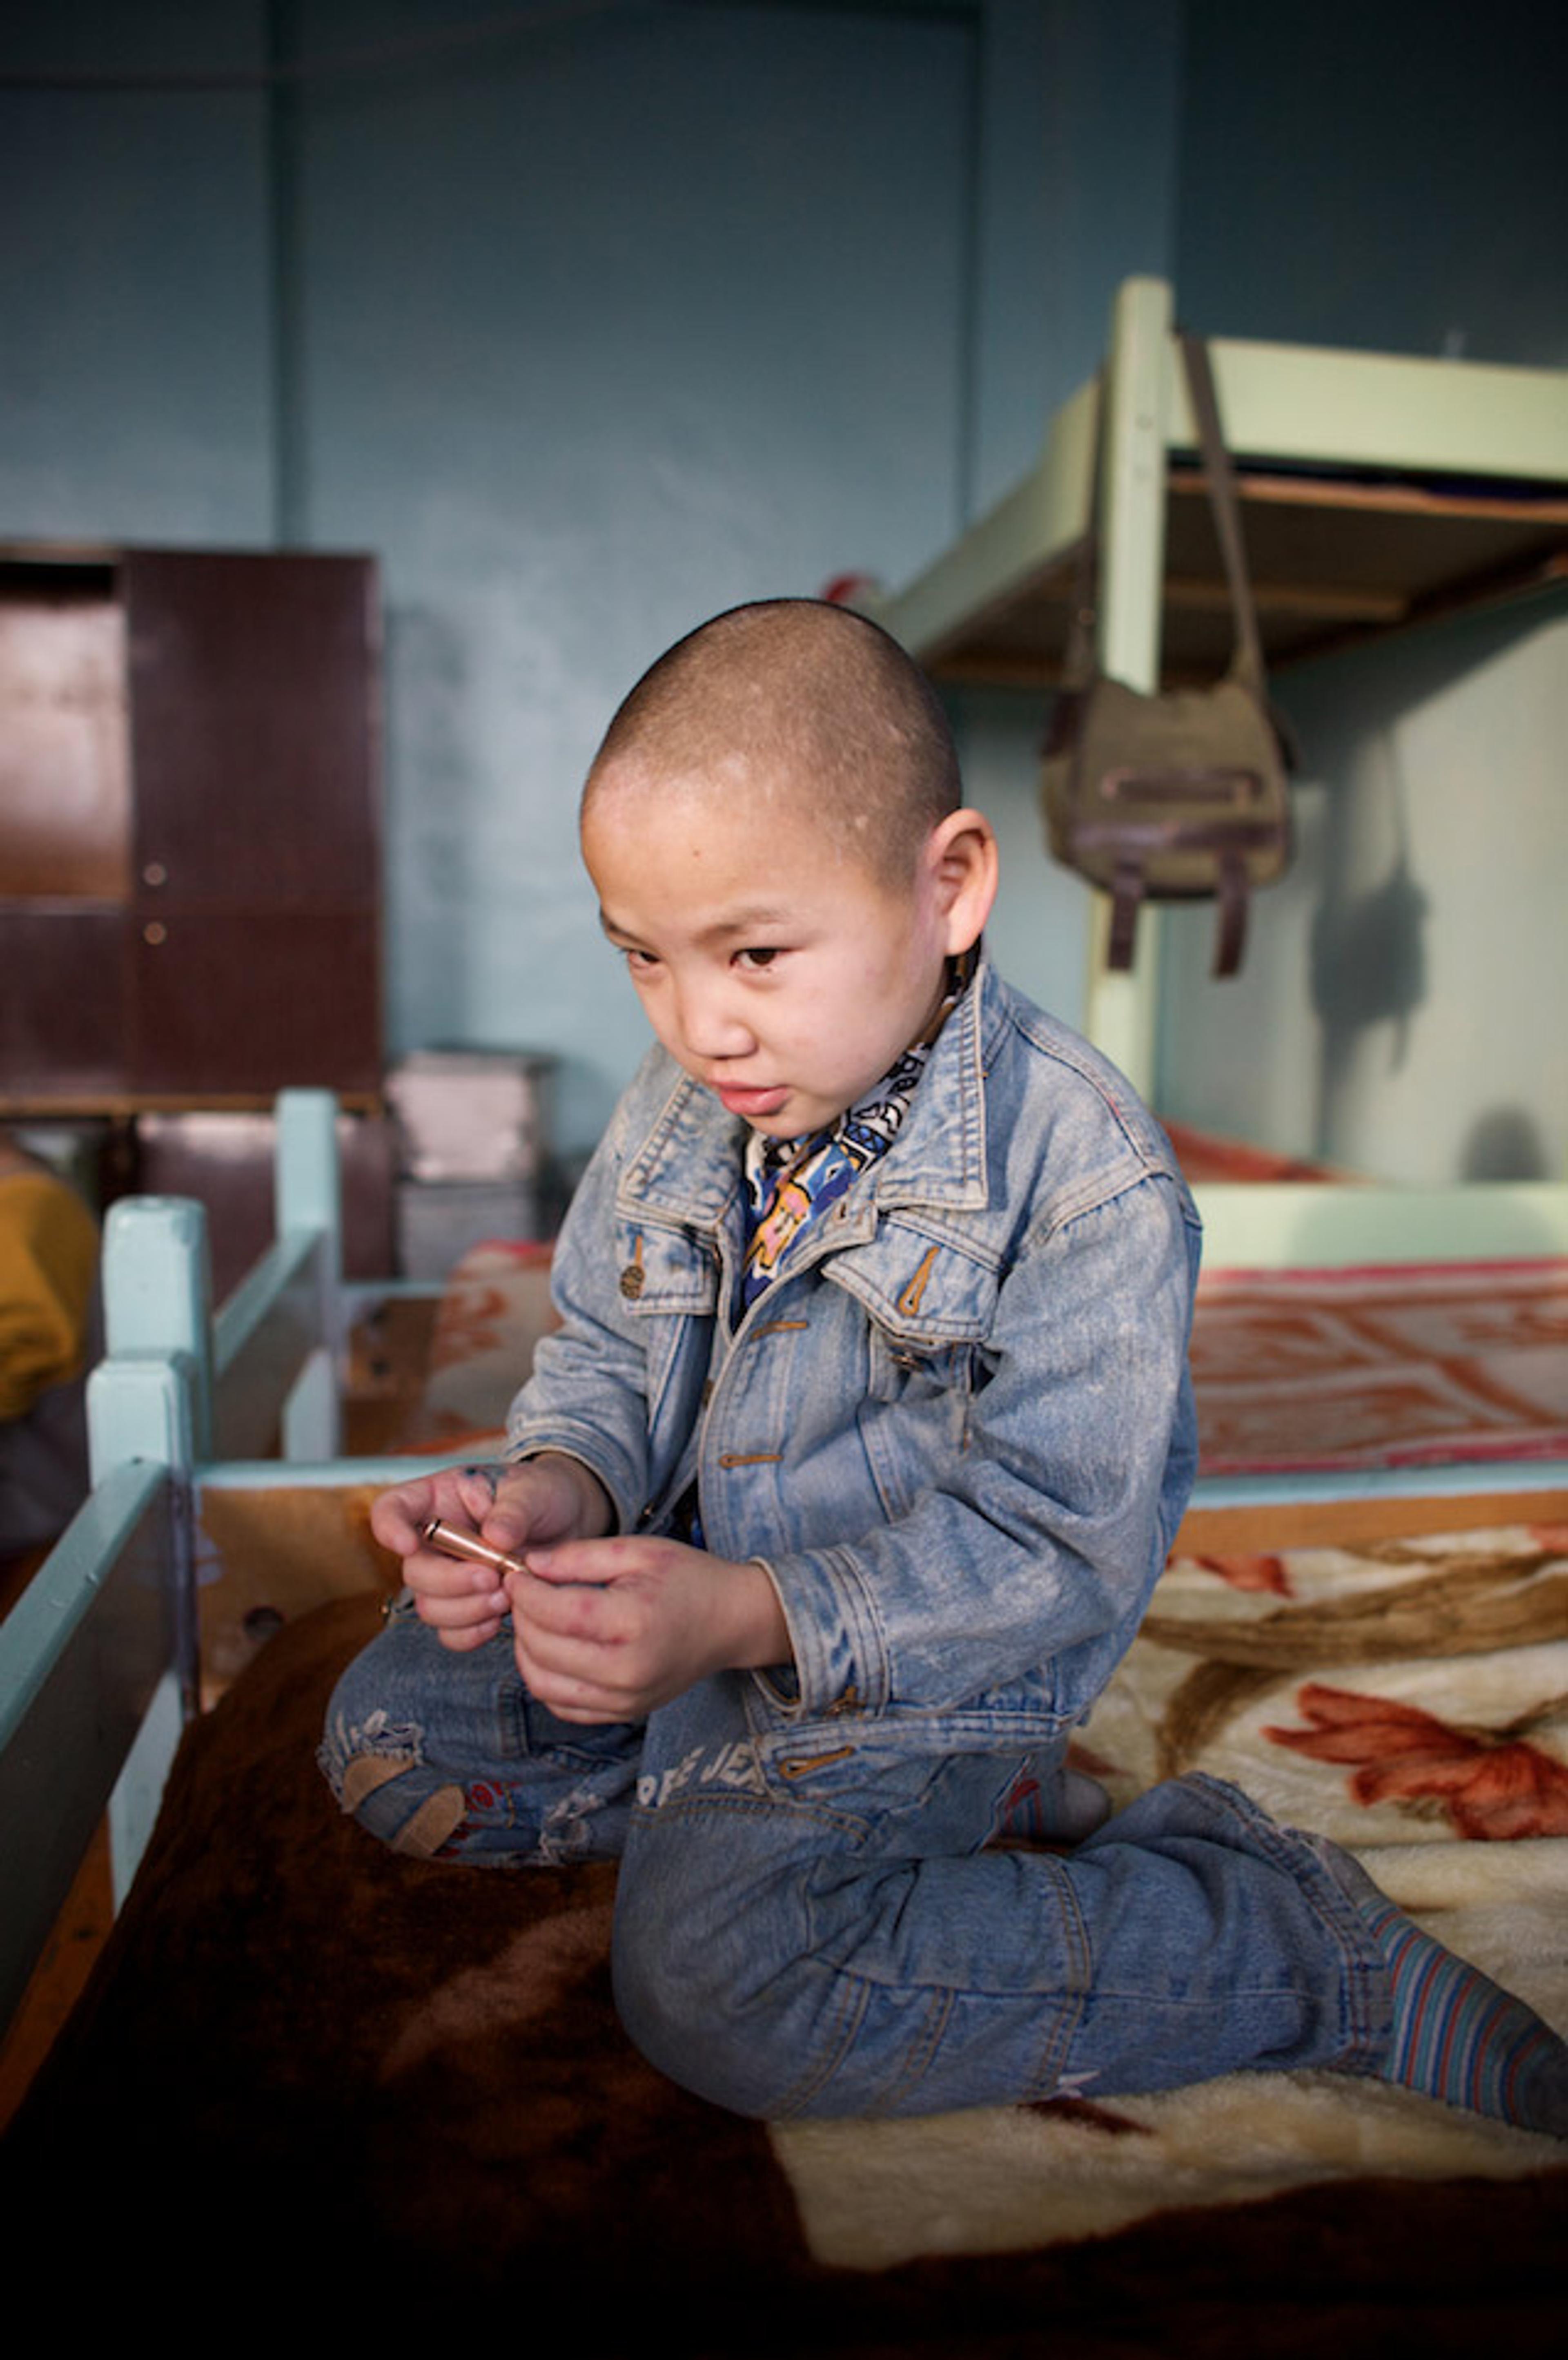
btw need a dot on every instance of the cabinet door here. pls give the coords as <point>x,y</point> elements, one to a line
<point>253,726</point>
<point>239,1003</point>
<point>63,971</point>
<point>256,868</point>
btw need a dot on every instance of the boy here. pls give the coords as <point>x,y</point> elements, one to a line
<point>844,1486</point>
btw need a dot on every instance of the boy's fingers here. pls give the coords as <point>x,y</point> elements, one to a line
<point>434,1576</point>
<point>509,1533</point>
<point>444,1611</point>
<point>476,1634</point>
<point>477,1488</point>
<point>567,1684</point>
<point>595,1563</point>
<point>396,1517</point>
<point>460,1622</point>
<point>581,1611</point>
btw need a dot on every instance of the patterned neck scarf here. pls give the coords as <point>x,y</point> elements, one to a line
<point>791,1182</point>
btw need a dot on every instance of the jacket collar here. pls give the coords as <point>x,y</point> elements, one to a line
<point>686,1168</point>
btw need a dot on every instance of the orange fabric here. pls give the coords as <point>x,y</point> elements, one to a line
<point>49,1262</point>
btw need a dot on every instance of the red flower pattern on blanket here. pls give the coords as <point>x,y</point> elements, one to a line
<point>1493,1786</point>
<point>1263,1573</point>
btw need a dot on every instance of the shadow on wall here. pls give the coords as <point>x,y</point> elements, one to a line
<point>1504,1143</point>
<point>1369,960</point>
<point>1370,945</point>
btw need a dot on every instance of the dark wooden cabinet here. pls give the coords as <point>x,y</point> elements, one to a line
<point>190,836</point>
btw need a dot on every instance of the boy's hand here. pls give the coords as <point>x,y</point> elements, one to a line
<point>605,1630</point>
<point>551,1498</point>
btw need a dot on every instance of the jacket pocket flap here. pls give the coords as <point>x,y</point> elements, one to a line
<point>920,1290</point>
<point>663,1270</point>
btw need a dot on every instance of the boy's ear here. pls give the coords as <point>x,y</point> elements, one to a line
<point>961,857</point>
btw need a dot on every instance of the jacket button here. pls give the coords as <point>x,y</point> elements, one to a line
<point>631,1280</point>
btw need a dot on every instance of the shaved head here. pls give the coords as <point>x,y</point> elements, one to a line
<point>802,707</point>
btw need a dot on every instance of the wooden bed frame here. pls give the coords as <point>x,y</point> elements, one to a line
<point>98,1668</point>
<point>98,1659</point>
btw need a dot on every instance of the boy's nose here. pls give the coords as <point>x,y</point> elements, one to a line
<point>713,1023</point>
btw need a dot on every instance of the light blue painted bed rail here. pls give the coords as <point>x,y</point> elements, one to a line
<point>98,1659</point>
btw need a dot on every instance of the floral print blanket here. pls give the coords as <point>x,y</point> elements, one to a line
<point>1408,1698</point>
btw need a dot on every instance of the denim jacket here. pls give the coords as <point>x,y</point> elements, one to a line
<point>957,1429</point>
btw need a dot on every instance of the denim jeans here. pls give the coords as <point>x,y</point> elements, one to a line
<point>851,1931</point>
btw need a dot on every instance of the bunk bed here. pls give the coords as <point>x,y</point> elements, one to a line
<point>1378,492</point>
<point>297,2045</point>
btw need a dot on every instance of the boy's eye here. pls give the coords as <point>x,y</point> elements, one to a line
<point>640,962</point>
<point>756,959</point>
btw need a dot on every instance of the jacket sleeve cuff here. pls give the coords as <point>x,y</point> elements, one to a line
<point>841,1661</point>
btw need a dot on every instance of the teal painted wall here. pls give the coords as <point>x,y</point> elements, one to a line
<point>136,326</point>
<point>1392,177</point>
<point>602,333</point>
<point>588,322</point>
<point>593,323</point>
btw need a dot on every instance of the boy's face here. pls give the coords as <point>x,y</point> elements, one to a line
<point>782,974</point>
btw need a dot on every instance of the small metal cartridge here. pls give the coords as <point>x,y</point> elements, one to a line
<point>451,1542</point>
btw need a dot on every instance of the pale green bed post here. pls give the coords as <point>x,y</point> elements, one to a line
<point>151,1401</point>
<point>306,1170</point>
<point>1122,1011</point>
<point>158,1297</point>
<point>310,1199</point>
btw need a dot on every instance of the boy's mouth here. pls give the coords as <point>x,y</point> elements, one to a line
<point>750,1104</point>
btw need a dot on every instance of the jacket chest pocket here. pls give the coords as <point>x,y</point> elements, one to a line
<point>931,1308</point>
<point>669,1285</point>
<point>930,1311</point>
<point>660,1272</point>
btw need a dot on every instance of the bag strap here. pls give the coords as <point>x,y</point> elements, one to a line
<point>1230,923</point>
<point>1126,899</point>
<point>1078,663</point>
<point>1078,657</point>
<point>1230,919</point>
<point>1226,508</point>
